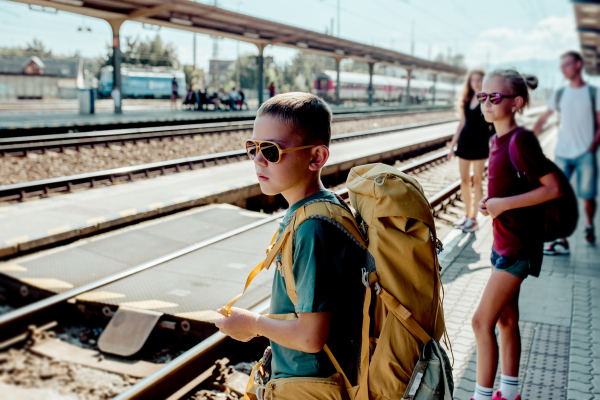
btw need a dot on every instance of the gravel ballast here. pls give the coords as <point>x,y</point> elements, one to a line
<point>52,164</point>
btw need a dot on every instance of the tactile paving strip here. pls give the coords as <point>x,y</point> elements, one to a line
<point>548,366</point>
<point>550,348</point>
<point>544,361</point>
<point>535,392</point>
<point>544,377</point>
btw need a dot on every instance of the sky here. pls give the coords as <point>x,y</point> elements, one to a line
<point>521,33</point>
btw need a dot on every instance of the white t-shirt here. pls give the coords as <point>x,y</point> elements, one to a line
<point>576,132</point>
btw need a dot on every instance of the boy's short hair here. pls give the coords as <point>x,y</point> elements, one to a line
<point>306,114</point>
<point>572,53</point>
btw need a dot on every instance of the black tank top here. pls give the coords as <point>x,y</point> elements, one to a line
<point>474,139</point>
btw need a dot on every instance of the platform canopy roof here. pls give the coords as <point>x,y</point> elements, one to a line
<point>211,20</point>
<point>587,16</point>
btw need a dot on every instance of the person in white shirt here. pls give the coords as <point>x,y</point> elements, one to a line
<point>233,97</point>
<point>578,139</point>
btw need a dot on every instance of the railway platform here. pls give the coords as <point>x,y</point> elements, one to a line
<point>36,223</point>
<point>41,123</point>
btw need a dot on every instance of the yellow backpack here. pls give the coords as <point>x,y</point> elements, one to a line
<point>402,309</point>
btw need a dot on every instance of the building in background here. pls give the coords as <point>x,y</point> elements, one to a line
<point>24,78</point>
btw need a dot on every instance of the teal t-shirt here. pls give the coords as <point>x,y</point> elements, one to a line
<point>327,272</point>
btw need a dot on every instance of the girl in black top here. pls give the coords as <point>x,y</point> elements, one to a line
<point>473,139</point>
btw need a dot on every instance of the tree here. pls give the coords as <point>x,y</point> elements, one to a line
<point>35,48</point>
<point>151,53</point>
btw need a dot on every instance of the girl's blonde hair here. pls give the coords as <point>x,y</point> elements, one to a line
<point>517,83</point>
<point>468,92</point>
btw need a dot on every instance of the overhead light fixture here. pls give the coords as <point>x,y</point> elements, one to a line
<point>340,52</point>
<point>367,56</point>
<point>77,3</point>
<point>302,44</point>
<point>252,35</point>
<point>589,34</point>
<point>181,21</point>
<point>589,9</point>
<point>589,21</point>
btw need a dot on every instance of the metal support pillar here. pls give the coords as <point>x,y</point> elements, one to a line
<point>407,94</point>
<point>337,81</point>
<point>261,78</point>
<point>117,94</point>
<point>433,89</point>
<point>453,87</point>
<point>370,90</point>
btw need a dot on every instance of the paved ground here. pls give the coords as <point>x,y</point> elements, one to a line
<point>560,317</point>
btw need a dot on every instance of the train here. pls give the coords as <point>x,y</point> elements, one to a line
<point>142,83</point>
<point>386,88</point>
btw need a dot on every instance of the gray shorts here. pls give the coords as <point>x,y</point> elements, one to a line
<point>587,173</point>
<point>514,266</point>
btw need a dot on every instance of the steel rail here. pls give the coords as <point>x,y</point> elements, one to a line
<point>39,143</point>
<point>13,321</point>
<point>20,191</point>
<point>18,319</point>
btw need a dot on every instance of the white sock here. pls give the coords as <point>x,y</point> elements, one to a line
<point>509,387</point>
<point>482,393</point>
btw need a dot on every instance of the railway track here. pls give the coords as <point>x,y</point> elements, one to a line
<point>182,374</point>
<point>148,130</point>
<point>17,321</point>
<point>22,191</point>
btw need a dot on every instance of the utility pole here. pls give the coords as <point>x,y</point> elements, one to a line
<point>412,38</point>
<point>237,60</point>
<point>338,17</point>
<point>194,51</point>
<point>331,31</point>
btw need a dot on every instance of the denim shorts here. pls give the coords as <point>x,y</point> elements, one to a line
<point>587,173</point>
<point>514,266</point>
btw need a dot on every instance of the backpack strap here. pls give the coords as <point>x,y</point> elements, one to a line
<point>559,94</point>
<point>404,316</point>
<point>272,251</point>
<point>514,154</point>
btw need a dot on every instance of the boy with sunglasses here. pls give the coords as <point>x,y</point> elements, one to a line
<point>289,147</point>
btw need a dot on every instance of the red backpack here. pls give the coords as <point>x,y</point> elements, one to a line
<point>559,215</point>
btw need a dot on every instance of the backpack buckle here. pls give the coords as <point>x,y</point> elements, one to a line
<point>365,278</point>
<point>382,180</point>
<point>377,288</point>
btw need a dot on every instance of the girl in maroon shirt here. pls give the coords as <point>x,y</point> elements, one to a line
<point>517,250</point>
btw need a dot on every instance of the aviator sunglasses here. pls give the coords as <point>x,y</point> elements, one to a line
<point>495,98</point>
<point>270,150</point>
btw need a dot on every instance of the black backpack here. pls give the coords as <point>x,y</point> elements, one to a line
<point>559,215</point>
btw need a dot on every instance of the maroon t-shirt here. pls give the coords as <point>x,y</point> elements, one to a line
<point>516,232</point>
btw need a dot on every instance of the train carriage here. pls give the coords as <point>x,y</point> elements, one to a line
<point>142,83</point>
<point>353,87</point>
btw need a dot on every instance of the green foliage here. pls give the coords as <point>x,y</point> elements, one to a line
<point>35,48</point>
<point>193,77</point>
<point>150,53</point>
<point>297,75</point>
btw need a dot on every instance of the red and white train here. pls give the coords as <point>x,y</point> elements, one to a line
<point>386,88</point>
